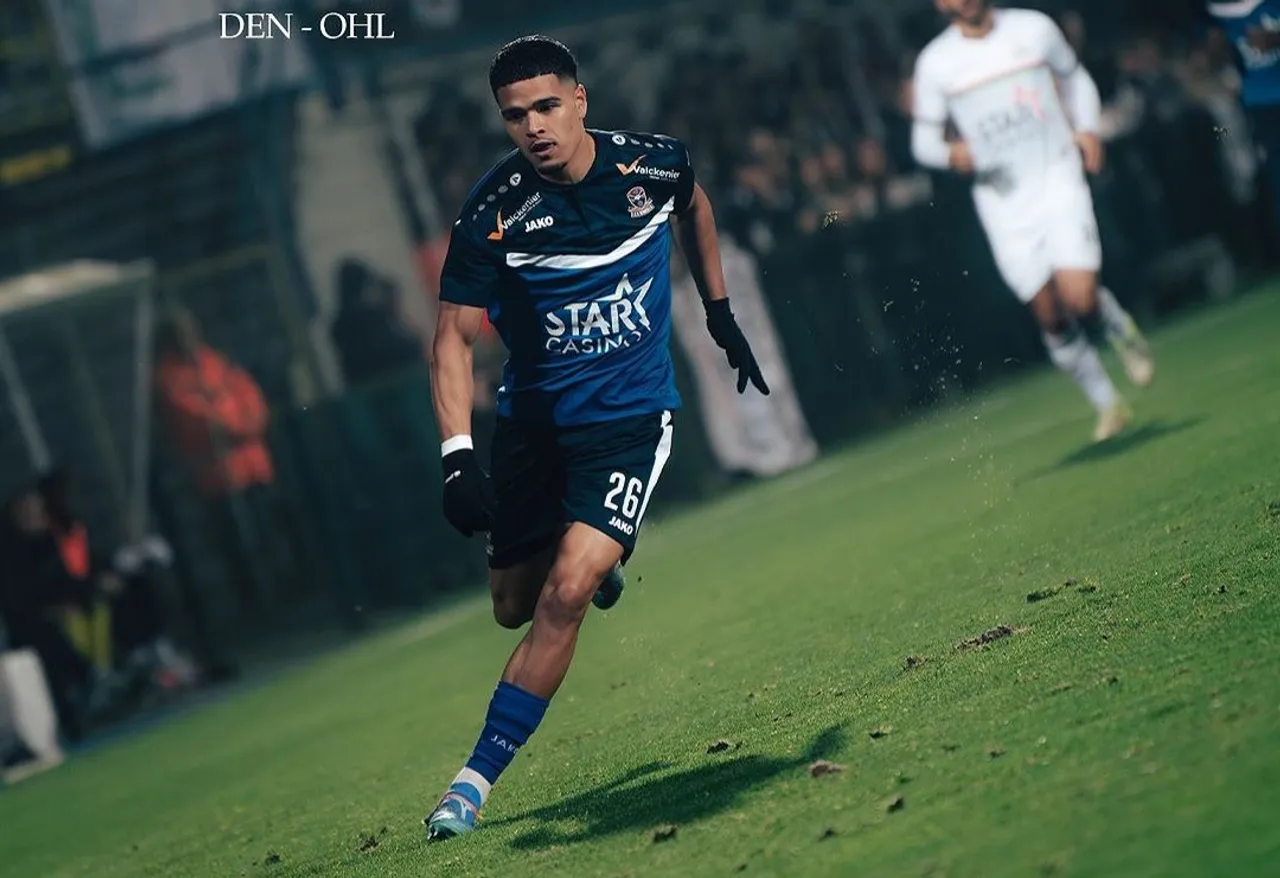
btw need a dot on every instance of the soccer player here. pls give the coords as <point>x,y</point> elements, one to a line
<point>566,244</point>
<point>1027,112</point>
<point>1253,28</point>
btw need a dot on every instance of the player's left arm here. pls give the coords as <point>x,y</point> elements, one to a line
<point>1079,95</point>
<point>699,240</point>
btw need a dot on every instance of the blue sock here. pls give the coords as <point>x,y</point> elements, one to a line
<point>513,717</point>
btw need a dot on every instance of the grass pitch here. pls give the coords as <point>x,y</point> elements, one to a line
<point>1123,721</point>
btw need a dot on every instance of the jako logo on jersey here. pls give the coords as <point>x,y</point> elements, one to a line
<point>640,204</point>
<point>542,222</point>
<point>621,525</point>
<point>615,321</point>
<point>521,212</point>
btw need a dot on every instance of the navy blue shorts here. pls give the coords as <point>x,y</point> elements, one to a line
<point>546,478</point>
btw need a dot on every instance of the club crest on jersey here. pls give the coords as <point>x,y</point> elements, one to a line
<point>639,203</point>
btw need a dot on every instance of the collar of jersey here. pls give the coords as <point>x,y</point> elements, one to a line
<point>591,171</point>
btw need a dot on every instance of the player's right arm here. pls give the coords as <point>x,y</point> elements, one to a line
<point>929,123</point>
<point>452,375</point>
<point>468,282</point>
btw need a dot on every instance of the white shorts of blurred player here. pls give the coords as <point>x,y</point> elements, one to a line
<point>1036,230</point>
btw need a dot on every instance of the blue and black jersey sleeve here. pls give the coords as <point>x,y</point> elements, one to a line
<point>470,274</point>
<point>682,163</point>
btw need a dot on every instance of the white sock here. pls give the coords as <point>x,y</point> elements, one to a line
<point>475,780</point>
<point>1115,320</point>
<point>1073,354</point>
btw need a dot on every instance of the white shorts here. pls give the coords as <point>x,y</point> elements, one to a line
<point>1035,233</point>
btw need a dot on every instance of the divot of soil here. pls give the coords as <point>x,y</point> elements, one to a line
<point>991,635</point>
<point>822,766</point>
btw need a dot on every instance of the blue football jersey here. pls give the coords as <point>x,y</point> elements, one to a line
<point>1261,73</point>
<point>576,279</point>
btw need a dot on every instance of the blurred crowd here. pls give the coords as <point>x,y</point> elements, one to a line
<point>806,156</point>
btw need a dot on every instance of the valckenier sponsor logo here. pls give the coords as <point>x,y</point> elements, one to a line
<point>640,170</point>
<point>657,173</point>
<point>615,321</point>
<point>506,222</point>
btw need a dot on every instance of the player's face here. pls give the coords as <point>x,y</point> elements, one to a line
<point>544,118</point>
<point>966,11</point>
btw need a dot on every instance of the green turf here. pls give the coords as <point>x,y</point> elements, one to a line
<point>1128,727</point>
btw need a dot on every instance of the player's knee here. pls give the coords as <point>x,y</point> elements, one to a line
<point>568,593</point>
<point>514,593</point>
<point>1079,293</point>
<point>511,613</point>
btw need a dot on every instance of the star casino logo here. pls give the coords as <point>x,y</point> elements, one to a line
<point>606,324</point>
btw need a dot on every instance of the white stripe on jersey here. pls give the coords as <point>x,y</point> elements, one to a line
<point>585,261</point>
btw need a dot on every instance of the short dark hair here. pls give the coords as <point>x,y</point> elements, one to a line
<point>530,56</point>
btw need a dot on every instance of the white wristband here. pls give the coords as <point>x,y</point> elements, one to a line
<point>456,443</point>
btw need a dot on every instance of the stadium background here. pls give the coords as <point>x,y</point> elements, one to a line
<point>247,194</point>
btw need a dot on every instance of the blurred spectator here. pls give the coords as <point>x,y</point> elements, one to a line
<point>368,332</point>
<point>391,426</point>
<point>33,583</point>
<point>218,418</point>
<point>122,628</point>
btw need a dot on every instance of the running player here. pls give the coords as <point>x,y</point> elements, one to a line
<point>566,244</point>
<point>1027,114</point>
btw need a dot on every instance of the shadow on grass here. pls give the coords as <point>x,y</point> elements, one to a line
<point>1128,441</point>
<point>645,797</point>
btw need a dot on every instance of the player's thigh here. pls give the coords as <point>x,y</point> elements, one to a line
<point>528,477</point>
<point>1020,256</point>
<point>514,590</point>
<point>1074,245</point>
<point>613,469</point>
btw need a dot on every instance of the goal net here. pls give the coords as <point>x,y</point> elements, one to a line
<point>75,386</point>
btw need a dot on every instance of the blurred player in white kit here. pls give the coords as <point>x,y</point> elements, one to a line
<point>1027,112</point>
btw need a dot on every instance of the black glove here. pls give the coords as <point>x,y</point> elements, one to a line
<point>728,335</point>
<point>468,494</point>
